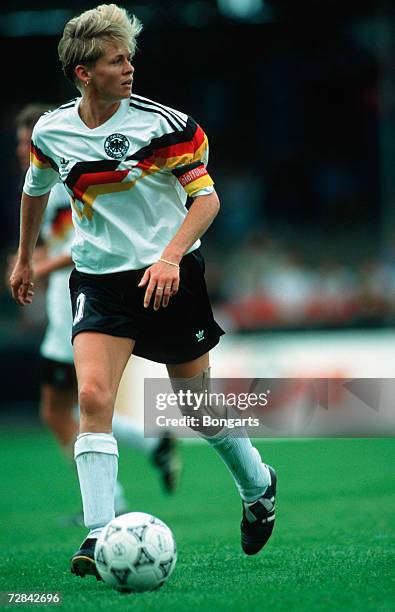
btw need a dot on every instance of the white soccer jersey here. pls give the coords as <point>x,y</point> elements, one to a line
<point>128,178</point>
<point>58,233</point>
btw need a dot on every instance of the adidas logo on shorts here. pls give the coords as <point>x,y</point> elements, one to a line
<point>200,335</point>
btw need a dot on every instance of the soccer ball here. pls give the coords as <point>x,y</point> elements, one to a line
<point>135,552</point>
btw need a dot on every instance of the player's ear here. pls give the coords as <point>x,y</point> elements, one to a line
<point>82,73</point>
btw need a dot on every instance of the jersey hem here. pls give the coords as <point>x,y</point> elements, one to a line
<point>128,268</point>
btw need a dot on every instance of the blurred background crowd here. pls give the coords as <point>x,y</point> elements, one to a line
<point>298,100</point>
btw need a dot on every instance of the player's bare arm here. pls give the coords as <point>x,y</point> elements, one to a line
<point>32,212</point>
<point>164,275</point>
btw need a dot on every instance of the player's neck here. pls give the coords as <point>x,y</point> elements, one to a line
<point>95,112</point>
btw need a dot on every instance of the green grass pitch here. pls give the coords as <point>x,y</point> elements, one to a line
<point>332,548</point>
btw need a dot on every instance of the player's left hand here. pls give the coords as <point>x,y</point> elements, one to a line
<point>163,279</point>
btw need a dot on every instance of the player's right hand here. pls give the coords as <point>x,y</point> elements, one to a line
<point>21,283</point>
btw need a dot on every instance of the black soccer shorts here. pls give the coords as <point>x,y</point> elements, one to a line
<point>113,304</point>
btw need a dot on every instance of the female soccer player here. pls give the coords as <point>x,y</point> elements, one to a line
<point>59,397</point>
<point>138,284</point>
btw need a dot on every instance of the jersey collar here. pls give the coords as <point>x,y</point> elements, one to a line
<point>111,123</point>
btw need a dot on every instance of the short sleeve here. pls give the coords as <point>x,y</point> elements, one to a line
<point>42,174</point>
<point>190,167</point>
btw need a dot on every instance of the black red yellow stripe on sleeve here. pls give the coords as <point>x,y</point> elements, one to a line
<point>39,159</point>
<point>193,177</point>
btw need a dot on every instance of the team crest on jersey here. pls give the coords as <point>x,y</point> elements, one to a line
<point>116,146</point>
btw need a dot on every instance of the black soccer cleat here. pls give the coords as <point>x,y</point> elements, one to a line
<point>83,561</point>
<point>258,519</point>
<point>166,459</point>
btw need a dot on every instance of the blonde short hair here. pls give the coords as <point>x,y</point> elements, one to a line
<point>84,37</point>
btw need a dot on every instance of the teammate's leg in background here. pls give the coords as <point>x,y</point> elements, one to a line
<point>57,412</point>
<point>162,452</point>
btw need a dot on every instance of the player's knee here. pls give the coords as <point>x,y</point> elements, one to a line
<point>94,398</point>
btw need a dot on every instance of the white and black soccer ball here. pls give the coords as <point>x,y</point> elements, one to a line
<point>135,552</point>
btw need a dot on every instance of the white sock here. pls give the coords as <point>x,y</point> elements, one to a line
<point>129,434</point>
<point>251,476</point>
<point>96,456</point>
